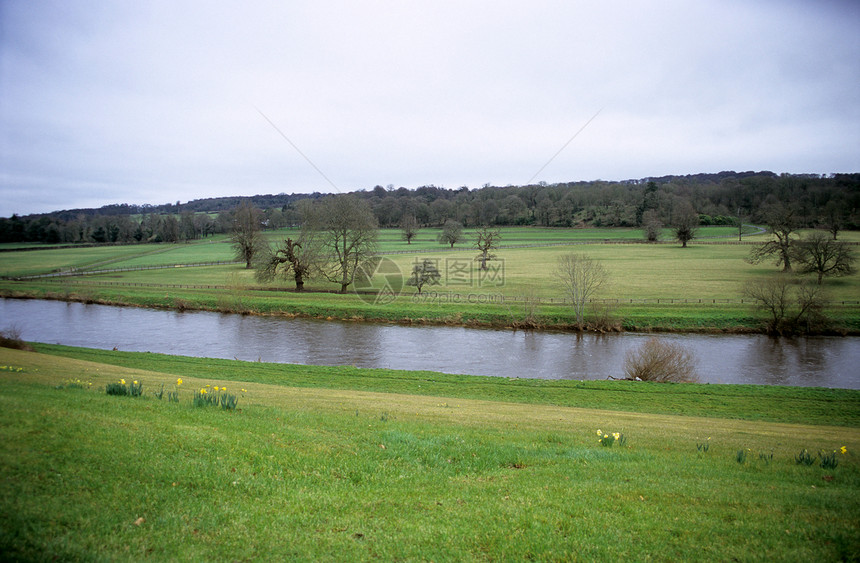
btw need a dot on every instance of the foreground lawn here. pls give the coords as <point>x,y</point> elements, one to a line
<point>305,473</point>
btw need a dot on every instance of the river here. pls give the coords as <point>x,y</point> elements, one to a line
<point>802,361</point>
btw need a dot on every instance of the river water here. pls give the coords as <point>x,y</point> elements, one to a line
<point>805,361</point>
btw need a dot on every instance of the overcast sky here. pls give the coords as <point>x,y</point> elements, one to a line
<point>161,101</point>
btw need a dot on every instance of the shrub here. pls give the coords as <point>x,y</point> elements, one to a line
<point>11,338</point>
<point>660,361</point>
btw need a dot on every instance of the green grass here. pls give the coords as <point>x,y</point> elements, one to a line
<point>750,402</point>
<point>637,272</point>
<point>314,474</point>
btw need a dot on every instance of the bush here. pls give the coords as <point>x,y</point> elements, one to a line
<point>11,338</point>
<point>660,361</point>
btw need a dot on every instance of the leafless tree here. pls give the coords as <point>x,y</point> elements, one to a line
<point>347,231</point>
<point>246,232</point>
<point>486,240</point>
<point>790,304</point>
<point>580,277</point>
<point>783,223</point>
<point>660,361</point>
<point>452,232</point>
<point>825,256</point>
<point>685,222</point>
<point>651,225</point>
<point>424,273</point>
<point>409,227</point>
<point>297,258</point>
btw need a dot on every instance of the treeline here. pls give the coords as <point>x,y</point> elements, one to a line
<point>719,199</point>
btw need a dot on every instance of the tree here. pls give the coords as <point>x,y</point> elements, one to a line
<point>246,228</point>
<point>782,223</point>
<point>686,222</point>
<point>424,273</point>
<point>789,305</point>
<point>409,226</point>
<point>834,214</point>
<point>825,256</point>
<point>347,231</point>
<point>651,225</point>
<point>452,232</point>
<point>663,362</point>
<point>486,240</point>
<point>296,258</point>
<point>580,278</point>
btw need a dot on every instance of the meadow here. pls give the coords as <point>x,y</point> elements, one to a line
<point>325,464</point>
<point>651,286</point>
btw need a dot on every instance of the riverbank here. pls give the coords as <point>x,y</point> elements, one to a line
<point>716,316</point>
<point>402,466</point>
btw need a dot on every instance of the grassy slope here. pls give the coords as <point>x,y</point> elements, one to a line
<point>327,474</point>
<point>750,402</point>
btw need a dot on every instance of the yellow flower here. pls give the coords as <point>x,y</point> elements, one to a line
<point>179,381</point>
<point>843,449</point>
<point>223,389</point>
<point>203,391</point>
<point>216,388</point>
<point>616,435</point>
<point>599,432</point>
<point>135,382</point>
<point>122,381</point>
<point>244,391</point>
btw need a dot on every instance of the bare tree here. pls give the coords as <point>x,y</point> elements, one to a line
<point>452,232</point>
<point>580,278</point>
<point>782,223</point>
<point>661,362</point>
<point>347,232</point>
<point>424,273</point>
<point>825,256</point>
<point>486,240</point>
<point>651,225</point>
<point>789,304</point>
<point>246,232</point>
<point>409,227</point>
<point>685,222</point>
<point>296,258</point>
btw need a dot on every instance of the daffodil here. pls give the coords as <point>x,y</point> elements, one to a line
<point>244,391</point>
<point>122,381</point>
<point>216,388</point>
<point>599,432</point>
<point>843,449</point>
<point>179,381</point>
<point>135,382</point>
<point>616,435</point>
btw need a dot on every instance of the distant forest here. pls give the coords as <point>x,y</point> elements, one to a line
<point>719,199</point>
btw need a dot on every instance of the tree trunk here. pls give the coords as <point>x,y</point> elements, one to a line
<point>343,287</point>
<point>300,282</point>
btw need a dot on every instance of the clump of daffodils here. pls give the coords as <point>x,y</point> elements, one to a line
<point>608,440</point>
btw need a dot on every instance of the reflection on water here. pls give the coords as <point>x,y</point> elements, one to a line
<point>813,361</point>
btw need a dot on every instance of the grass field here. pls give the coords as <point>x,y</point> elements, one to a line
<point>712,273</point>
<point>318,464</point>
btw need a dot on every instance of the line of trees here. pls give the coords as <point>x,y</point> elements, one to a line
<point>726,198</point>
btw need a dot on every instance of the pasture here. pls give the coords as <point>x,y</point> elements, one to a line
<point>653,286</point>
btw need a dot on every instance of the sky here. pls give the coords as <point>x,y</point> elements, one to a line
<point>159,101</point>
